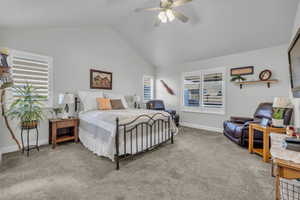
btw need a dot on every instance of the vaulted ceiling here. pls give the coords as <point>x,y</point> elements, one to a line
<point>216,27</point>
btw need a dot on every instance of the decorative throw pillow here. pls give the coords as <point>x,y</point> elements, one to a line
<point>104,104</point>
<point>116,104</point>
<point>88,99</point>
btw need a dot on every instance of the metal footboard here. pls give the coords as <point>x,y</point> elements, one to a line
<point>135,138</point>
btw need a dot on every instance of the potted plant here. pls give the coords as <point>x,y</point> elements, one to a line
<point>237,78</point>
<point>27,107</point>
<point>277,118</point>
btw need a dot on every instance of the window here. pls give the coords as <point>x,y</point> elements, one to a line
<point>33,69</point>
<point>148,88</point>
<point>204,91</point>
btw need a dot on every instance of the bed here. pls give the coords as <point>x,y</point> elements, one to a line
<point>121,134</point>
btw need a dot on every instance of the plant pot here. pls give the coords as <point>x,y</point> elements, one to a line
<point>277,122</point>
<point>29,125</point>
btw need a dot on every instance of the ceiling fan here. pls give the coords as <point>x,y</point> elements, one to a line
<point>167,12</point>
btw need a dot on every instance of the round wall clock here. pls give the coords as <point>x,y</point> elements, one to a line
<point>265,75</point>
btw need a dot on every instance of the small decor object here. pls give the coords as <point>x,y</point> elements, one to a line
<point>290,131</point>
<point>66,99</point>
<point>169,90</point>
<point>100,79</point>
<point>265,75</point>
<point>57,111</point>
<point>242,71</point>
<point>279,106</point>
<point>237,78</point>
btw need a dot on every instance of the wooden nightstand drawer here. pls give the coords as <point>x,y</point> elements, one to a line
<point>65,124</point>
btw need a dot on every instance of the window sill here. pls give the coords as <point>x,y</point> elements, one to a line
<point>204,111</point>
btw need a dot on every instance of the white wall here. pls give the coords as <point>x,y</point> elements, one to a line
<point>238,102</point>
<point>75,51</point>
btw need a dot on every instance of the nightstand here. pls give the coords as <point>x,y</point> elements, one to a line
<point>63,130</point>
<point>265,151</point>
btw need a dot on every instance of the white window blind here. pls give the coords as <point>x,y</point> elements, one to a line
<point>213,89</point>
<point>204,91</point>
<point>32,69</point>
<point>192,89</point>
<point>148,88</point>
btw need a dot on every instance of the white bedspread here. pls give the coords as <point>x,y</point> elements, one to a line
<point>98,128</point>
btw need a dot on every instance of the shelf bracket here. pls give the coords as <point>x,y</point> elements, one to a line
<point>269,84</point>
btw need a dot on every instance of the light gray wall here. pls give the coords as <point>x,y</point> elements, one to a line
<point>238,102</point>
<point>296,101</point>
<point>75,51</point>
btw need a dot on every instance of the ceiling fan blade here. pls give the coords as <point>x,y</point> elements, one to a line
<point>180,3</point>
<point>180,16</point>
<point>147,9</point>
<point>157,22</point>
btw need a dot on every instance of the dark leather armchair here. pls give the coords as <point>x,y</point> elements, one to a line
<point>159,105</point>
<point>236,129</point>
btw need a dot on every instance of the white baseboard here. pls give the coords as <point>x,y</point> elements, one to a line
<point>13,148</point>
<point>198,126</point>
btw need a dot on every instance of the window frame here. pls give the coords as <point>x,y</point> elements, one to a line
<point>49,59</point>
<point>202,108</point>
<point>152,88</point>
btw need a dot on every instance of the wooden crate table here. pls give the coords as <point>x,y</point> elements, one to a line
<point>57,125</point>
<point>265,151</point>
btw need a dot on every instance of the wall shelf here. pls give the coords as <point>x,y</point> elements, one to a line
<point>268,82</point>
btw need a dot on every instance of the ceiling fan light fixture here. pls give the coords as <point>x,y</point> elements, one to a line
<point>163,17</point>
<point>170,15</point>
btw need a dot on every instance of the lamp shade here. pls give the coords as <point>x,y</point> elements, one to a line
<point>281,102</point>
<point>66,98</point>
<point>137,98</point>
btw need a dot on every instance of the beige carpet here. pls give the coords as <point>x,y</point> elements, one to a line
<point>200,165</point>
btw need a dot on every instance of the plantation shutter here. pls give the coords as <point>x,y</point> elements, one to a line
<point>213,89</point>
<point>148,88</point>
<point>32,69</point>
<point>192,90</point>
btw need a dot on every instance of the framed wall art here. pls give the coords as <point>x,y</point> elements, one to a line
<point>242,71</point>
<point>100,79</point>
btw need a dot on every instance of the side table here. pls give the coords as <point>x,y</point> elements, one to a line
<point>265,151</point>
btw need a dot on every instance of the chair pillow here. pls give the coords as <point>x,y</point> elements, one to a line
<point>104,104</point>
<point>116,104</point>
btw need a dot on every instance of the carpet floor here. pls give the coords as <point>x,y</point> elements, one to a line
<point>199,165</point>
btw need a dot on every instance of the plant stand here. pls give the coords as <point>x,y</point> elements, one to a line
<point>30,147</point>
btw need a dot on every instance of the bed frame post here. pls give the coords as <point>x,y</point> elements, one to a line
<point>117,145</point>
<point>169,126</point>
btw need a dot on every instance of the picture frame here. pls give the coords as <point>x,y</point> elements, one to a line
<point>248,70</point>
<point>100,79</point>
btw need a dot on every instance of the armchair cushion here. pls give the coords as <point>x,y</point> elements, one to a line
<point>241,120</point>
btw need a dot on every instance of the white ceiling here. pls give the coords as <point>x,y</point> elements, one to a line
<point>216,27</point>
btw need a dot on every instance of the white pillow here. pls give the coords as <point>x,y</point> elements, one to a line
<point>88,99</point>
<point>117,96</point>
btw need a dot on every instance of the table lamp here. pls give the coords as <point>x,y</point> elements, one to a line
<point>136,100</point>
<point>66,99</point>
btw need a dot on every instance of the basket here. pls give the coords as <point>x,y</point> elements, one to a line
<point>289,189</point>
